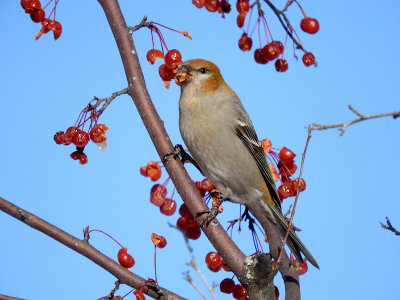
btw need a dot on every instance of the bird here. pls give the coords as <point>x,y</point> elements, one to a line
<point>221,138</point>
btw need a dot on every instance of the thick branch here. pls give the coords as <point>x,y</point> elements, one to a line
<point>390,227</point>
<point>343,126</point>
<point>84,248</point>
<point>138,91</point>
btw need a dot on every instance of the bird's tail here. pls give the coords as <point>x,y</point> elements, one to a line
<point>293,241</point>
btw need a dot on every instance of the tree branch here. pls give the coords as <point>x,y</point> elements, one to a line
<point>151,120</point>
<point>343,126</point>
<point>84,248</point>
<point>390,227</point>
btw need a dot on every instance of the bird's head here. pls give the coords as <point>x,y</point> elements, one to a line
<point>200,75</point>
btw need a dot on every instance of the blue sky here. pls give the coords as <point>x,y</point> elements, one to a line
<point>352,181</point>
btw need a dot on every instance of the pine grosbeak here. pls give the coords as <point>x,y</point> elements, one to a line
<point>221,138</point>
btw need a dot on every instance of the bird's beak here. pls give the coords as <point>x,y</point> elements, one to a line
<point>182,74</point>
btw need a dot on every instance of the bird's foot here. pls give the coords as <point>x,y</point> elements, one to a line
<point>180,153</point>
<point>211,213</point>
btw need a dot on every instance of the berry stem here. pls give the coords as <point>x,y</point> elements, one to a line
<point>155,262</point>
<point>47,4</point>
<point>106,235</point>
<point>302,11</point>
<point>284,47</point>
<point>259,34</point>
<point>254,27</point>
<point>248,25</point>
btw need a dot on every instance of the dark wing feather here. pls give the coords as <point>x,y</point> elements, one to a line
<point>249,138</point>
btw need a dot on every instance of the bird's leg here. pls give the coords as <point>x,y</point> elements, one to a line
<point>211,213</point>
<point>179,152</point>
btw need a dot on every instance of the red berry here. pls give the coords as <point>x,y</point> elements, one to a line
<point>193,232</point>
<point>125,259</point>
<point>259,57</point>
<point>143,171</point>
<point>276,292</point>
<point>201,191</point>
<point>169,207</point>
<point>239,292</point>
<point>286,190</point>
<point>295,184</point>
<point>225,266</point>
<point>37,15</point>
<point>215,269</point>
<point>173,56</point>
<point>227,286</point>
<point>80,138</point>
<point>184,211</point>
<point>158,240</point>
<point>281,65</point>
<point>271,50</point>
<point>242,6</point>
<point>58,137</point>
<point>31,5</point>
<point>75,155</point>
<point>212,5</point>
<point>245,42</point>
<point>308,59</point>
<point>52,25</point>
<point>139,295</point>
<point>25,3</point>
<point>83,159</point>
<point>199,3</point>
<point>303,268</point>
<point>207,185</point>
<point>286,155</point>
<point>309,25</point>
<point>166,73</point>
<point>153,54</point>
<point>213,259</point>
<point>181,224</point>
<point>240,19</point>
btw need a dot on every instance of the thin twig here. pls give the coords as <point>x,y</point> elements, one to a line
<point>343,126</point>
<point>295,200</point>
<point>142,24</point>
<point>106,100</point>
<point>390,227</point>
<point>189,279</point>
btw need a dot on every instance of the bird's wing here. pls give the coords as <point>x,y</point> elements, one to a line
<point>245,131</point>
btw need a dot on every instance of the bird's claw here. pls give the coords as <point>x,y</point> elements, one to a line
<point>179,152</point>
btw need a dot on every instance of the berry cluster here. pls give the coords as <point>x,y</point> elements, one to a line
<point>158,196</point>
<point>272,49</point>
<point>287,167</point>
<point>37,14</point>
<point>172,59</point>
<point>80,138</point>
<point>222,6</point>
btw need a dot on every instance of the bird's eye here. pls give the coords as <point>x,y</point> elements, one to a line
<point>203,70</point>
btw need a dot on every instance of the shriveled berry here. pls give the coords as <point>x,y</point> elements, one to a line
<point>80,138</point>
<point>56,27</point>
<point>199,3</point>
<point>227,286</point>
<point>97,133</point>
<point>259,57</point>
<point>225,6</point>
<point>75,155</point>
<point>125,259</point>
<point>153,170</point>
<point>308,59</point>
<point>153,54</point>
<point>83,159</point>
<point>69,133</point>
<point>58,137</point>
<point>212,5</point>
<point>281,65</point>
<point>158,240</point>
<point>169,207</point>
<point>303,268</point>
<point>31,5</point>
<point>139,295</point>
<point>245,42</point>
<point>242,6</point>
<point>309,25</point>
<point>240,19</point>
